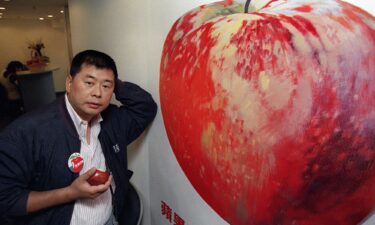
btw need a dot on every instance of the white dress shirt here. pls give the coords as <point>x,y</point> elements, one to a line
<point>90,211</point>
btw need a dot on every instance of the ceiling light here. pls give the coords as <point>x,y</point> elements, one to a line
<point>2,8</point>
<point>41,18</point>
<point>61,11</point>
<point>50,16</point>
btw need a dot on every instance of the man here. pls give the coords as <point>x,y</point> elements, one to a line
<point>12,107</point>
<point>47,157</point>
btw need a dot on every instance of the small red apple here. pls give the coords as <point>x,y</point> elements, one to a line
<point>99,177</point>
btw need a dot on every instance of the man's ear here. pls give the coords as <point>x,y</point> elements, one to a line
<point>68,83</point>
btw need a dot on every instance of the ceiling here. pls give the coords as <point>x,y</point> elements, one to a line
<point>32,9</point>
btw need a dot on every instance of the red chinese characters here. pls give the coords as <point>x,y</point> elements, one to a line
<point>177,220</point>
<point>167,211</point>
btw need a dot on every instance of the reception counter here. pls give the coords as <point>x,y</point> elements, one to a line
<point>36,85</point>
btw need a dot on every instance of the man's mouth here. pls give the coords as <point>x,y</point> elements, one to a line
<point>93,105</point>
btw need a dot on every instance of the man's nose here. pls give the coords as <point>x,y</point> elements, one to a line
<point>97,91</point>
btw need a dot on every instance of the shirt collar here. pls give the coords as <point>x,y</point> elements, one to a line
<point>79,123</point>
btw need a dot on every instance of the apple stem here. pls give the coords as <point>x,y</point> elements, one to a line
<point>247,6</point>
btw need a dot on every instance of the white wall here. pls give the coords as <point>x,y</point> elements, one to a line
<point>16,33</point>
<point>133,33</point>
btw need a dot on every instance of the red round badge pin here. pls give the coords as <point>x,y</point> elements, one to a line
<point>75,162</point>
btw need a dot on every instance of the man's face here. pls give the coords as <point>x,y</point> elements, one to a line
<point>90,91</point>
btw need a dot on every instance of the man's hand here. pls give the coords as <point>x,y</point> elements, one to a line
<point>80,188</point>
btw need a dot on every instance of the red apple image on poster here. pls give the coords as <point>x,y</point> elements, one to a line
<point>271,113</point>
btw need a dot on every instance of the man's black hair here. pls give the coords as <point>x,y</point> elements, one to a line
<point>95,58</point>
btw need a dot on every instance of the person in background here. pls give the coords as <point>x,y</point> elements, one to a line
<point>48,156</point>
<point>13,106</point>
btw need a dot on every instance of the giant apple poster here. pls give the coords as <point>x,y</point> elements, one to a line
<point>271,113</point>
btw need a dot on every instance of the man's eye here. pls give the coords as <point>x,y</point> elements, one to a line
<point>107,86</point>
<point>89,83</point>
